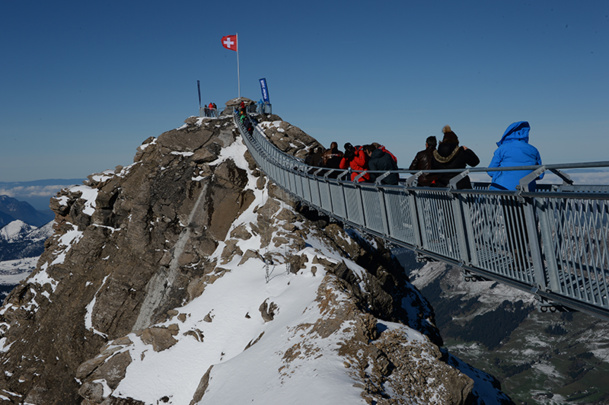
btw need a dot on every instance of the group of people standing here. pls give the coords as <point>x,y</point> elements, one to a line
<point>513,149</point>
<point>363,161</point>
<point>367,162</point>
<point>448,155</point>
<point>210,110</point>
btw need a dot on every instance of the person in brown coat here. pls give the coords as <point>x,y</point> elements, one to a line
<point>422,161</point>
<point>450,155</point>
<point>331,159</point>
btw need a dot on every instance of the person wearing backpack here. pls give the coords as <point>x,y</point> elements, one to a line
<point>379,160</point>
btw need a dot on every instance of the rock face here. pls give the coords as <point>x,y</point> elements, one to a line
<point>148,260</point>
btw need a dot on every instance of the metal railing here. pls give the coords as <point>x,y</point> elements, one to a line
<point>553,243</point>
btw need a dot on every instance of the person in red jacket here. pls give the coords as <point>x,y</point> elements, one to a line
<point>356,159</point>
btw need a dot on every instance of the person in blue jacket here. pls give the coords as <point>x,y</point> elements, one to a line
<point>514,150</point>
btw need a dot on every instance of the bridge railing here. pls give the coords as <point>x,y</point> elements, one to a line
<point>553,242</point>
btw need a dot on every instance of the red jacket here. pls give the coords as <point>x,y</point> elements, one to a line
<point>389,153</point>
<point>359,163</point>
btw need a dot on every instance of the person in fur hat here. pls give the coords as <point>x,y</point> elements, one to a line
<point>450,155</point>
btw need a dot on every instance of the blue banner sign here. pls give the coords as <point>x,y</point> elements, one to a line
<point>199,90</point>
<point>265,90</point>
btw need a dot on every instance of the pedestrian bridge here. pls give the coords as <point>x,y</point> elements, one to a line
<point>553,243</point>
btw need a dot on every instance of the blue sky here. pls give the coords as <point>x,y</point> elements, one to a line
<point>84,83</point>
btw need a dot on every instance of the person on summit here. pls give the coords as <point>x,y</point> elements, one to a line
<point>422,161</point>
<point>513,149</point>
<point>356,159</point>
<point>450,155</point>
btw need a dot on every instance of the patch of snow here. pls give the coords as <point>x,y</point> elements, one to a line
<point>62,200</point>
<point>112,230</point>
<point>3,348</point>
<point>42,278</point>
<point>89,195</point>
<point>89,311</point>
<point>143,146</point>
<point>104,176</point>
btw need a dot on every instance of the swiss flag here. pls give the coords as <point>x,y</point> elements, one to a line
<point>230,42</point>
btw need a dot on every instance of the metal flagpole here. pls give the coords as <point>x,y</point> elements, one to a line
<point>238,76</point>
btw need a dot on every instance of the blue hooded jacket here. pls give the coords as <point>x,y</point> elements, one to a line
<point>514,150</point>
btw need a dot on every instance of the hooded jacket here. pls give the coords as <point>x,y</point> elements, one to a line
<point>514,150</point>
<point>381,160</point>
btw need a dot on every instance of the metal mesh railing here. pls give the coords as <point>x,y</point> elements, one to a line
<point>554,242</point>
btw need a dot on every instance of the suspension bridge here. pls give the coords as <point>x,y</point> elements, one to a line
<point>553,243</point>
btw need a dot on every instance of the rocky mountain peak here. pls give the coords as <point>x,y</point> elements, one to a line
<point>187,277</point>
<point>15,230</point>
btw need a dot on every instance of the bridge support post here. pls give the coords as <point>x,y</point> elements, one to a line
<point>535,246</point>
<point>543,213</point>
<point>418,222</point>
<point>459,219</point>
<point>384,217</point>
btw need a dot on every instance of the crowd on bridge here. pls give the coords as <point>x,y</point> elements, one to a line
<point>372,162</point>
<point>247,121</point>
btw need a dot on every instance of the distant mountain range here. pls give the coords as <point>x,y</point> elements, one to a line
<point>23,230</point>
<point>19,240</point>
<point>38,192</point>
<point>21,245</point>
<point>539,358</point>
<point>12,209</point>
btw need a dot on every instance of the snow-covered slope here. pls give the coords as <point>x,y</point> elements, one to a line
<point>259,332</point>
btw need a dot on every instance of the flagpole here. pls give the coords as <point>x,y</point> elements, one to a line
<point>238,76</point>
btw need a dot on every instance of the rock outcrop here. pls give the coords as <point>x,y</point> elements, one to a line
<point>190,261</point>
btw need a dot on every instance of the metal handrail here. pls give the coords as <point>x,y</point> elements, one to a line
<point>553,242</point>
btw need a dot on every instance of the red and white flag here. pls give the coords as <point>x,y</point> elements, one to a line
<point>230,42</point>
